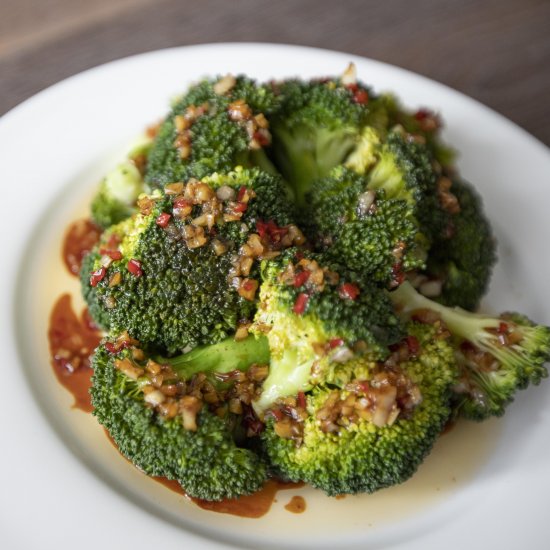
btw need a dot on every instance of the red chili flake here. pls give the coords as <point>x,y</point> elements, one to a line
<point>251,422</point>
<point>301,303</point>
<point>111,348</point>
<point>301,278</point>
<point>301,400</point>
<point>503,328</point>
<point>398,276</point>
<point>242,193</point>
<point>361,97</point>
<point>97,276</point>
<point>271,230</point>
<point>134,267</point>
<point>240,207</point>
<point>262,138</point>
<point>335,343</point>
<point>113,254</point>
<point>423,113</point>
<point>248,285</point>
<point>163,219</point>
<point>348,291</point>
<point>277,414</point>
<point>363,386</point>
<point>413,345</point>
<point>113,242</point>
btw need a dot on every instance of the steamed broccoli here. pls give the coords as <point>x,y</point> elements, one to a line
<point>311,312</point>
<point>497,356</point>
<point>378,236</point>
<point>170,422</point>
<point>115,199</point>
<point>216,126</point>
<point>463,258</point>
<point>183,271</point>
<point>315,129</point>
<point>368,424</point>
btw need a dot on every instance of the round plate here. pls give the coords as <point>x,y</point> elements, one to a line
<point>63,484</point>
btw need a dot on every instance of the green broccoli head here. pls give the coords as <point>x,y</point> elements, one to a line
<point>463,257</point>
<point>116,196</point>
<point>164,425</point>
<point>185,270</point>
<point>217,125</point>
<point>360,227</point>
<point>311,313</point>
<point>369,424</point>
<point>497,356</point>
<point>315,129</point>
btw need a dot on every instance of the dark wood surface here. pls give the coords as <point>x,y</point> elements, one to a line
<point>497,51</point>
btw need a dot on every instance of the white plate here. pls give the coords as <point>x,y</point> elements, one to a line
<point>62,485</point>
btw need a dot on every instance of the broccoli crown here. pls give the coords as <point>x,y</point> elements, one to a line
<point>217,125</point>
<point>463,258</point>
<point>497,355</point>
<point>315,129</point>
<point>375,429</point>
<point>116,196</point>
<point>171,283</point>
<point>363,229</point>
<point>404,170</point>
<point>308,311</point>
<point>205,460</point>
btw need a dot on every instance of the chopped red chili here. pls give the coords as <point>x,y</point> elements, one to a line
<point>301,278</point>
<point>97,276</point>
<point>113,254</point>
<point>348,291</point>
<point>300,304</point>
<point>503,328</point>
<point>301,400</point>
<point>413,345</point>
<point>240,207</point>
<point>361,97</point>
<point>242,193</point>
<point>134,267</point>
<point>182,203</point>
<point>163,219</point>
<point>277,414</point>
<point>335,343</point>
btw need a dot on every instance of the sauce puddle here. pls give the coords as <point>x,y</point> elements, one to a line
<point>72,341</point>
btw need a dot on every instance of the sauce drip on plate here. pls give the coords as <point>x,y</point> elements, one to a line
<point>72,341</point>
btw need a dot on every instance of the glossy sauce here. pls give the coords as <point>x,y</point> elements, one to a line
<point>297,505</point>
<point>72,341</point>
<point>249,506</point>
<point>80,238</point>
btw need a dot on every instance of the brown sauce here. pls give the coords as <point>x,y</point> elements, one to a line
<point>72,341</point>
<point>249,506</point>
<point>296,505</point>
<point>80,238</point>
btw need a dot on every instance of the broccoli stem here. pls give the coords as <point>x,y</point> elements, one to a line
<point>223,357</point>
<point>481,330</point>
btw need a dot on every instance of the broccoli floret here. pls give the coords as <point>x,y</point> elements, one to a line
<point>115,199</point>
<point>160,425</point>
<point>497,355</point>
<point>374,428</point>
<point>377,236</point>
<point>169,276</point>
<point>316,128</point>
<point>464,256</point>
<point>217,125</point>
<point>307,309</point>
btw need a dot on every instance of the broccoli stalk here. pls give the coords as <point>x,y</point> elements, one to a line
<point>518,347</point>
<point>223,357</point>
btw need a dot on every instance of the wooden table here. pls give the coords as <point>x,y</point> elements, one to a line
<point>497,51</point>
